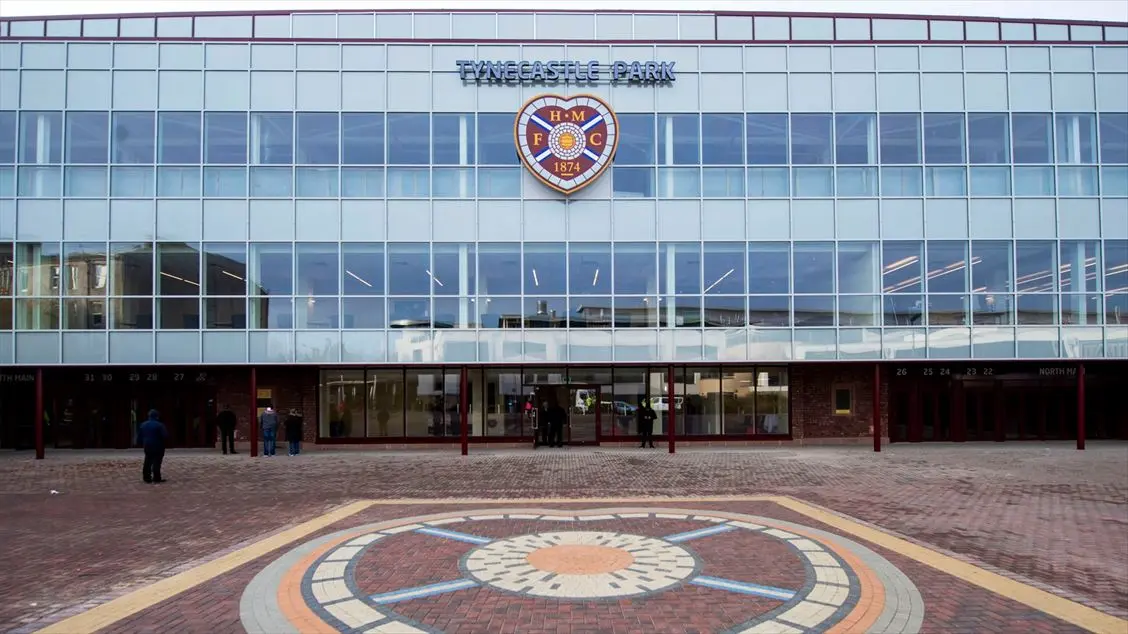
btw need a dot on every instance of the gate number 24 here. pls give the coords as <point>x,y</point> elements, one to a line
<point>948,371</point>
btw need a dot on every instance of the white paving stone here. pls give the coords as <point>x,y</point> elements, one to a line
<point>520,516</point>
<point>807,613</point>
<point>671,516</point>
<point>781,534</point>
<point>805,544</point>
<point>771,627</point>
<point>485,518</point>
<point>633,516</point>
<point>394,627</point>
<point>328,591</point>
<point>596,518</point>
<point>365,540</point>
<point>828,594</point>
<point>354,613</point>
<point>449,520</point>
<point>828,574</point>
<point>344,553</point>
<point>820,559</point>
<point>330,570</point>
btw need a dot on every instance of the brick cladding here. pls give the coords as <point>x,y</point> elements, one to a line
<point>291,387</point>
<point>812,401</point>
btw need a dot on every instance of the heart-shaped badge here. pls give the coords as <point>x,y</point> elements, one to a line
<point>566,142</point>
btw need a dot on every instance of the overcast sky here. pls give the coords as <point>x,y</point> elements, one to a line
<point>1106,10</point>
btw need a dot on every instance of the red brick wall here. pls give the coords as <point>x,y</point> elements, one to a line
<point>292,388</point>
<point>812,401</point>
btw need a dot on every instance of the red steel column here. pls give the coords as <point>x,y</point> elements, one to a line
<point>39,413</point>
<point>463,415</point>
<point>671,415</point>
<point>254,413</point>
<point>877,407</point>
<point>1081,406</point>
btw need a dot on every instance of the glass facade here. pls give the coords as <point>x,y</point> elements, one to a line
<point>800,192</point>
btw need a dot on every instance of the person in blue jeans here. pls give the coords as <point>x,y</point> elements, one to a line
<point>269,423</point>
<point>294,432</point>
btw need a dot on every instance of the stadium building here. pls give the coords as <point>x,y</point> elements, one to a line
<point>418,227</point>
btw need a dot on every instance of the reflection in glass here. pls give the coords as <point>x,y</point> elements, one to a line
<point>317,313</point>
<point>679,267</point>
<point>944,138</point>
<point>1032,138</point>
<point>992,309</point>
<point>318,268</point>
<point>431,403</point>
<point>636,140</point>
<point>385,394</point>
<point>990,181</point>
<point>85,269</point>
<point>317,138</point>
<point>362,265</point>
<point>769,267</point>
<point>37,314</point>
<point>342,404</point>
<point>225,312</point>
<point>225,138</point>
<point>635,268</point>
<point>84,313</point>
<point>947,267</point>
<point>495,140</point>
<point>362,313</point>
<point>409,269</point>
<point>362,138</point>
<point>1035,266</point>
<point>813,263</point>
<point>132,313</point>
<point>814,310</point>
<point>1034,181</point>
<point>590,312</point>
<point>679,139</point>
<point>857,267</point>
<point>1076,138</point>
<point>724,312</point>
<point>988,137</point>
<point>499,312</point>
<point>1080,309</point>
<point>272,138</point>
<point>636,312</point>
<point>133,137</point>
<point>768,182</point>
<point>769,311</point>
<point>900,139</point>
<point>271,268</point>
<point>722,139</point>
<point>633,182</point>
<point>856,182</point>
<point>179,266</point>
<point>178,137</point>
<point>546,268</point>
<point>811,140</point>
<point>131,268</point>
<point>88,137</point>
<point>702,401</point>
<point>947,310</point>
<point>41,137</point>
<point>545,312</point>
<point>855,139</point>
<point>1114,137</point>
<point>1080,266</point>
<point>409,312</point>
<point>903,310</point>
<point>812,182</point>
<point>178,313</point>
<point>767,139</point>
<point>129,182</point>
<point>409,139</point>
<point>685,312</point>
<point>1036,309</point>
<point>274,313</point>
<point>991,266</point>
<point>499,270</point>
<point>453,269</point>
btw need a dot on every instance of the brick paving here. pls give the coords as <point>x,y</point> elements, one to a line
<point>1042,512</point>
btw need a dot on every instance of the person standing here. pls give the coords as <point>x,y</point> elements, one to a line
<point>294,432</point>
<point>646,418</point>
<point>225,421</point>
<point>556,417</point>
<point>269,423</point>
<point>152,435</point>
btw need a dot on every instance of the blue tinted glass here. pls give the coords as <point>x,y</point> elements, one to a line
<point>274,132</point>
<point>495,140</point>
<point>724,268</point>
<point>225,138</point>
<point>1076,138</point>
<point>1032,138</point>
<point>679,268</point>
<point>636,140</point>
<point>589,269</point>
<point>768,182</point>
<point>769,267</point>
<point>452,269</point>
<point>1114,137</point>
<point>7,137</point>
<point>988,137</point>
<point>767,139</point>
<point>678,139</point>
<point>855,139</point>
<point>41,137</point>
<point>722,139</point>
<point>990,181</point>
<point>900,139</point>
<point>1034,181</point>
<point>134,137</point>
<point>499,270</point>
<point>363,266</point>
<point>901,181</point>
<point>811,139</point>
<point>813,266</point>
<point>546,268</point>
<point>362,138</point>
<point>88,137</point>
<point>944,138</point>
<point>452,139</point>
<point>178,137</point>
<point>633,182</point>
<point>409,267</point>
<point>636,271</point>
<point>409,139</point>
<point>317,138</point>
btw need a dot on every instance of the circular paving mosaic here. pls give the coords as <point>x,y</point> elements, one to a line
<point>386,577</point>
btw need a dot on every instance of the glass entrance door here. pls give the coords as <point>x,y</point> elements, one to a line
<point>583,416</point>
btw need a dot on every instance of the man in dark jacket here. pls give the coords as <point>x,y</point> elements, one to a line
<point>646,418</point>
<point>556,418</point>
<point>294,432</point>
<point>225,420</point>
<point>152,435</point>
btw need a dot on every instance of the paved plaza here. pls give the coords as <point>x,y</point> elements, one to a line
<point>1017,537</point>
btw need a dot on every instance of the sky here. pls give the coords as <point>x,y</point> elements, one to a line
<point>1103,10</point>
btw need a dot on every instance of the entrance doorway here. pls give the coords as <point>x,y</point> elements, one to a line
<point>580,404</point>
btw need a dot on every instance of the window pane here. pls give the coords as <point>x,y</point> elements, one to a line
<point>1114,137</point>
<point>183,182</point>
<point>179,266</point>
<point>721,139</point>
<point>855,139</point>
<point>134,137</point>
<point>724,268</point>
<point>1034,181</point>
<point>85,270</point>
<point>947,267</point>
<point>945,181</point>
<point>679,268</point>
<point>990,181</point>
<point>901,267</point>
<point>409,269</point>
<point>272,138</point>
<point>546,269</point>
<point>178,137</point>
<point>41,137</point>
<point>7,137</point>
<point>636,270</point>
<point>633,182</point>
<point>225,138</point>
<point>495,140</point>
<point>900,138</point>
<point>88,137</point>
<point>589,269</point>
<point>318,268</point>
<point>988,137</point>
<point>1080,266</point>
<point>812,182</point>
<point>814,267</point>
<point>1032,139</point>
<point>225,266</point>
<point>811,139</point>
<point>1116,272</point>
<point>901,181</point>
<point>991,266</point>
<point>1076,138</point>
<point>636,140</point>
<point>452,139</point>
<point>363,268</point>
<point>767,139</point>
<point>499,270</point>
<point>1035,266</point>
<point>769,268</point>
<point>362,138</point>
<point>856,181</point>
<point>452,269</point>
<point>943,138</point>
<point>131,269</point>
<point>678,139</point>
<point>857,267</point>
<point>409,139</point>
<point>768,182</point>
<point>317,138</point>
<point>271,269</point>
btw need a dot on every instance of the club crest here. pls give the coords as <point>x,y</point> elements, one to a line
<point>566,142</point>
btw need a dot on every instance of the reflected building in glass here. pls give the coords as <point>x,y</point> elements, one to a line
<point>822,229</point>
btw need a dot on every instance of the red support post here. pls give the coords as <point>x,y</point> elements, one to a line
<point>877,407</point>
<point>254,413</point>
<point>671,415</point>
<point>1081,407</point>
<point>39,414</point>
<point>463,406</point>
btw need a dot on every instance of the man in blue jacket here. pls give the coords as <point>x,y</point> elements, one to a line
<point>152,436</point>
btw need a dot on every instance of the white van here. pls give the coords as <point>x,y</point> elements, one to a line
<point>659,403</point>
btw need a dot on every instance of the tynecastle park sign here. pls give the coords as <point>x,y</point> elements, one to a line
<point>552,72</point>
